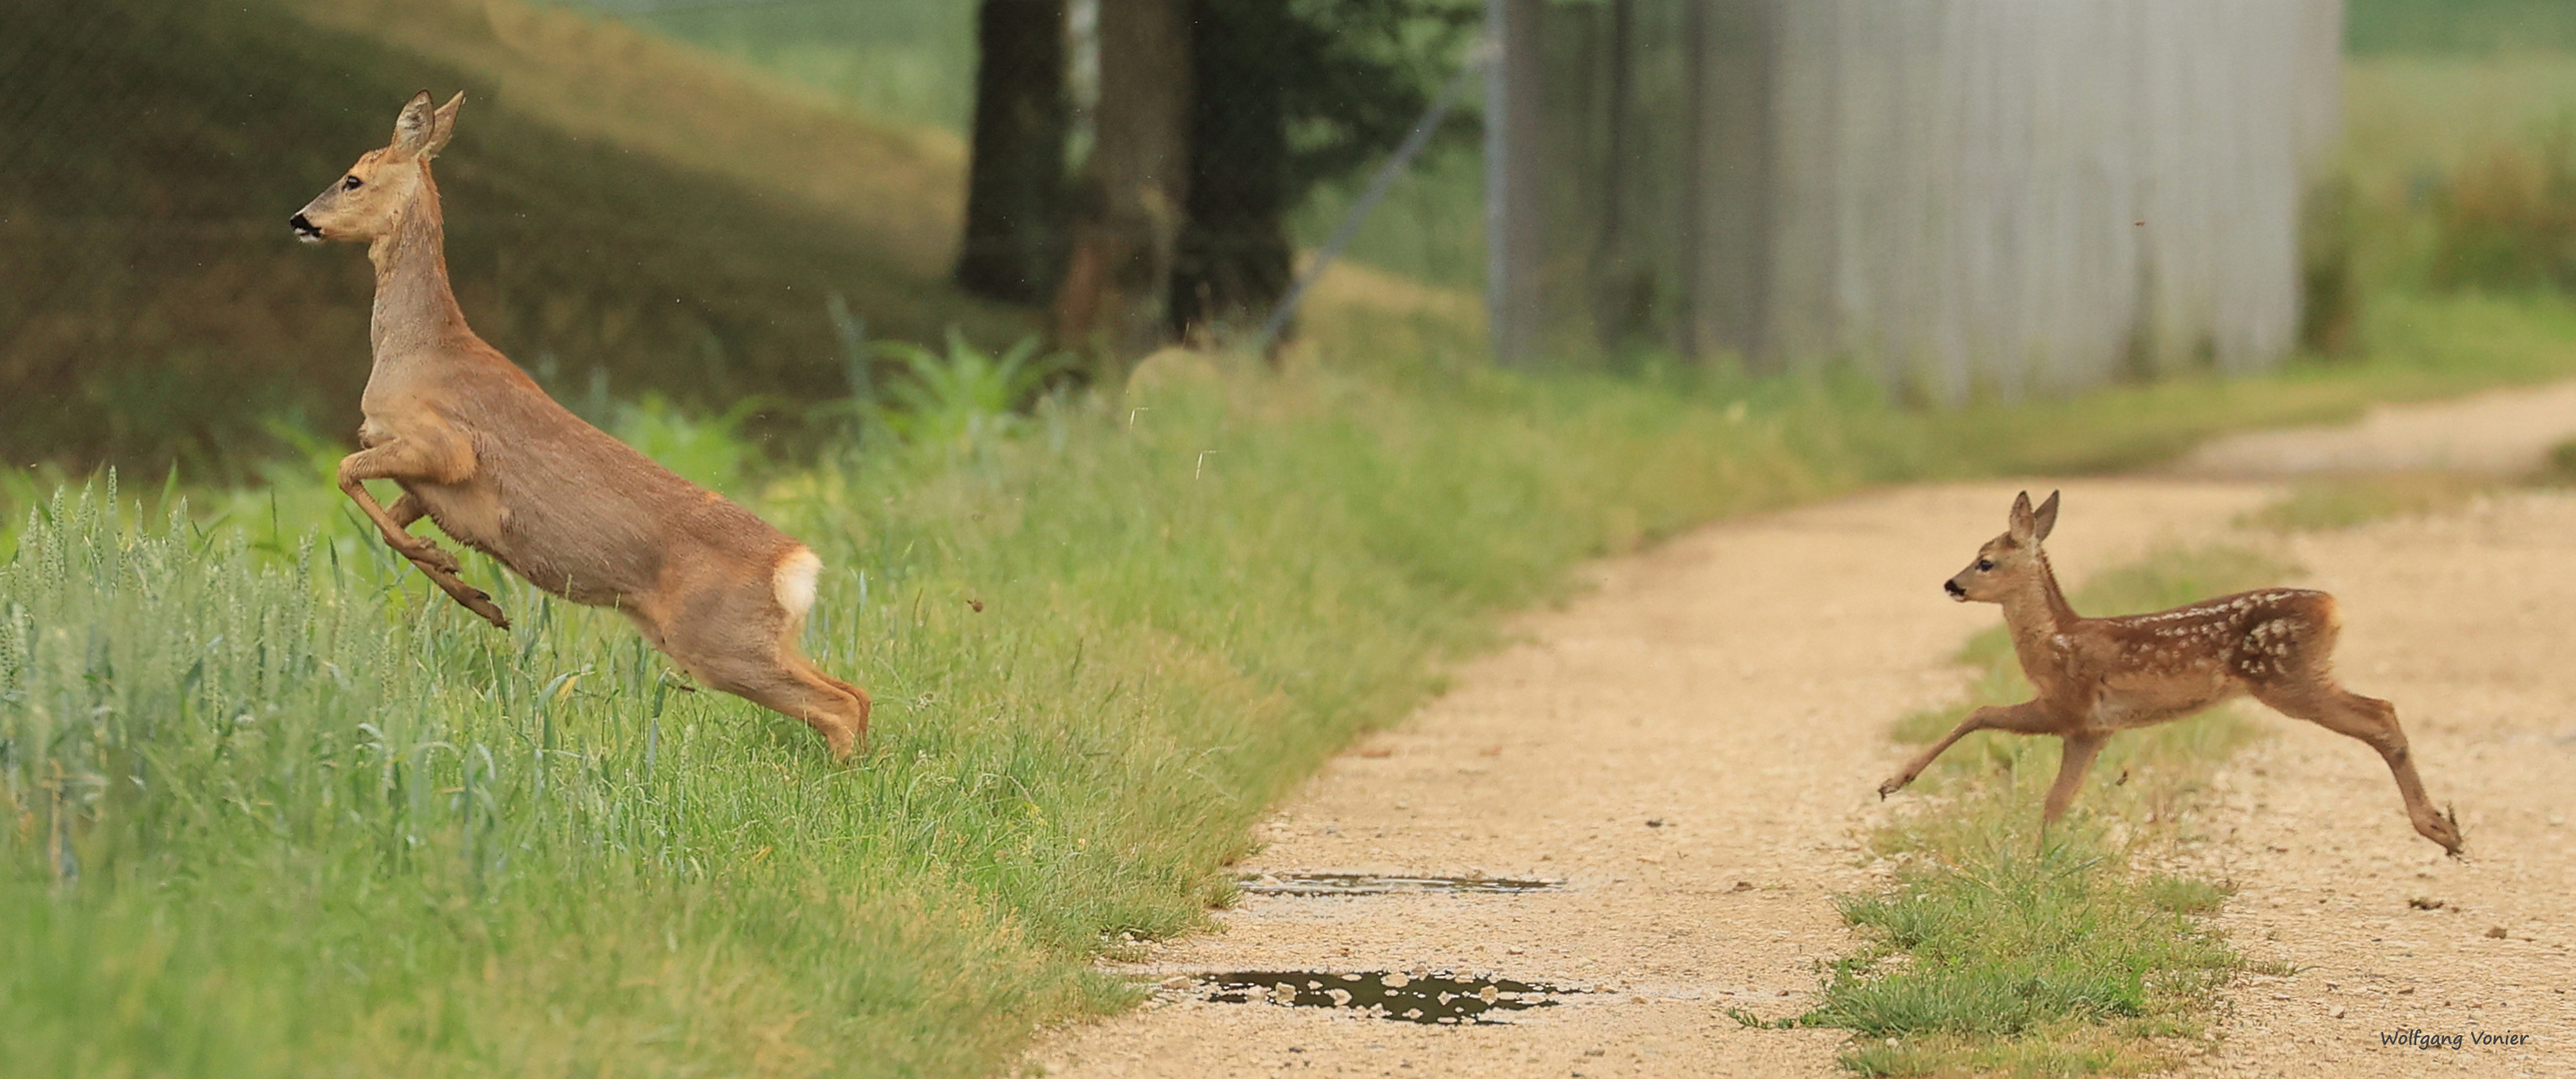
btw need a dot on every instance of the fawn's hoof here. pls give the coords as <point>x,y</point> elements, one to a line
<point>2445,830</point>
<point>1894,785</point>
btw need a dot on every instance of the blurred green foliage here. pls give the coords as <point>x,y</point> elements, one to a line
<point>909,61</point>
<point>964,398</point>
<point>2466,27</point>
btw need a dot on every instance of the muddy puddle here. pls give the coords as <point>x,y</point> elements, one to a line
<point>1319,884</point>
<point>1432,997</point>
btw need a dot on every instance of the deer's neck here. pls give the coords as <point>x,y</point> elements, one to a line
<point>415,311</point>
<point>2036,612</point>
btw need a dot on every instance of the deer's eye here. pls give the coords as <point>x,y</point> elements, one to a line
<point>352,183</point>
<point>1985,565</point>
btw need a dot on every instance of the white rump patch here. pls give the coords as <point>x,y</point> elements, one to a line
<point>794,581</point>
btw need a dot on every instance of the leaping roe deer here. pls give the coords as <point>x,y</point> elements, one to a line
<point>479,449</point>
<point>2099,676</point>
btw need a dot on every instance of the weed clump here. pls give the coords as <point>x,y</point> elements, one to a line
<point>2509,219</point>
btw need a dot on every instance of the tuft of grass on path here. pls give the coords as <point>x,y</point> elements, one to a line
<point>1991,954</point>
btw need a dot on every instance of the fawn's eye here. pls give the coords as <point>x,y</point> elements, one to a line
<point>1985,565</point>
<point>352,183</point>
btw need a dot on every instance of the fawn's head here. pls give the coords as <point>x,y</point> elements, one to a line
<point>2007,559</point>
<point>371,198</point>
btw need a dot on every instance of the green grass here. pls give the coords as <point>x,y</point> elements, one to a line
<point>283,811</point>
<point>2561,467</point>
<point>1991,954</point>
<point>911,61</point>
<point>322,821</point>
<point>2420,128</point>
<point>2342,502</point>
<point>2458,27</point>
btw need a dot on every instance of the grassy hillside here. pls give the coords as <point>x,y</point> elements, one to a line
<point>617,203</point>
<point>908,60</point>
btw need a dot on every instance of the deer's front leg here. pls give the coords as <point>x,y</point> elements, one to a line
<point>399,459</point>
<point>2024,718</point>
<point>2078,759</point>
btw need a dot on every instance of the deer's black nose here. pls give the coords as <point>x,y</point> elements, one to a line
<point>305,229</point>
<point>1952,587</point>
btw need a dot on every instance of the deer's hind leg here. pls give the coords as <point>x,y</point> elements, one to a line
<point>2081,748</point>
<point>741,641</point>
<point>2319,700</point>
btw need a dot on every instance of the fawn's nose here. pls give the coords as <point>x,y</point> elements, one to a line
<point>1955,589</point>
<point>305,229</point>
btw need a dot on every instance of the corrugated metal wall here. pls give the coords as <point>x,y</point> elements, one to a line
<point>1966,197</point>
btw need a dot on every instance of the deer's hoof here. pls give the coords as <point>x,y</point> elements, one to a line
<point>433,557</point>
<point>480,602</point>
<point>1892,786</point>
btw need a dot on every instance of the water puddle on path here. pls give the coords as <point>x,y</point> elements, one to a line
<point>1320,884</point>
<point>1435,997</point>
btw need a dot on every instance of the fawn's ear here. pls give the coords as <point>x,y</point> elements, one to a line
<point>415,126</point>
<point>2045,520</point>
<point>2021,527</point>
<point>443,125</point>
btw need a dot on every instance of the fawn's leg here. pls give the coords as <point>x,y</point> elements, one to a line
<point>2374,722</point>
<point>387,461</point>
<point>2078,759</point>
<point>2024,718</point>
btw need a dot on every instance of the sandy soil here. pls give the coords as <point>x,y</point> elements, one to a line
<point>2466,622</point>
<point>1693,746</point>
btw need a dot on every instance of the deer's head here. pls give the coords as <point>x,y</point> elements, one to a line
<point>2006,560</point>
<point>371,199</point>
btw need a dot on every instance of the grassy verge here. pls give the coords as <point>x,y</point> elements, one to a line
<point>276,809</point>
<point>269,806</point>
<point>1990,954</point>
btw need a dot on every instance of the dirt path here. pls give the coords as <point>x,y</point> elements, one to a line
<point>1692,749</point>
<point>2468,623</point>
<point>1734,686</point>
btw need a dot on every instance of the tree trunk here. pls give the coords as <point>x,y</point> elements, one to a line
<point>1017,209</point>
<point>1136,191</point>
<point>1234,259</point>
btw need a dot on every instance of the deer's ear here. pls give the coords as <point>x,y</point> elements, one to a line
<point>2045,520</point>
<point>2023,529</point>
<point>415,126</point>
<point>442,125</point>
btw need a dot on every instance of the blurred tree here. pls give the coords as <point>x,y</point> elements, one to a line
<point>1291,94</point>
<point>1215,119</point>
<point>1116,285</point>
<point>1017,204</point>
